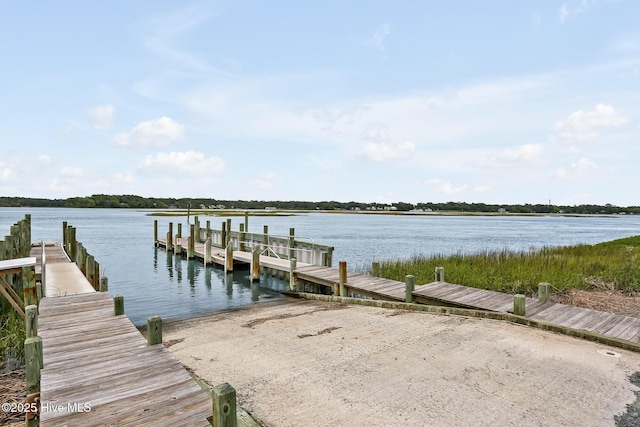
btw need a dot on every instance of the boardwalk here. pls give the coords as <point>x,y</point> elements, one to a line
<point>98,368</point>
<point>99,362</point>
<point>442,293</point>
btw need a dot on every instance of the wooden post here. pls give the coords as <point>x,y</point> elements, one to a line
<point>255,264</point>
<point>39,289</point>
<point>208,230</point>
<point>292,277</point>
<point>246,221</point>
<point>72,244</point>
<point>224,406</point>
<point>325,256</point>
<point>64,234</point>
<point>96,275</point>
<point>31,321</point>
<point>543,292</point>
<point>33,364</point>
<point>410,283</point>
<point>154,330</point>
<point>241,238</point>
<point>104,284</point>
<point>329,257</point>
<point>191,248</point>
<point>343,278</point>
<point>375,269</point>
<point>223,235</point>
<point>519,303</point>
<point>207,250</point>
<point>30,292</point>
<point>228,259</point>
<point>265,235</point>
<point>228,230</point>
<point>178,247</point>
<point>196,226</point>
<point>118,305</point>
<point>91,269</point>
<point>439,274</point>
<point>170,238</point>
<point>155,232</point>
<point>292,242</point>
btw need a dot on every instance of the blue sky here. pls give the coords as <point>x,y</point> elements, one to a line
<point>414,101</point>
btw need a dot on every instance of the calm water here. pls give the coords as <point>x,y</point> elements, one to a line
<point>154,282</point>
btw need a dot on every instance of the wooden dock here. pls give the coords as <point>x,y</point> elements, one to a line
<point>447,294</point>
<point>97,368</point>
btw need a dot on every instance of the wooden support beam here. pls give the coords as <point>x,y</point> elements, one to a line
<point>207,251</point>
<point>191,245</point>
<point>31,321</point>
<point>12,297</point>
<point>292,242</point>
<point>292,276</point>
<point>255,264</point>
<point>155,232</point>
<point>170,238</point>
<point>228,259</point>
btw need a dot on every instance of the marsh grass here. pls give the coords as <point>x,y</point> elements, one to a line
<point>12,336</point>
<point>613,265</point>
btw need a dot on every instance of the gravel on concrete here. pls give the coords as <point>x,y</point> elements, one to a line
<point>303,363</point>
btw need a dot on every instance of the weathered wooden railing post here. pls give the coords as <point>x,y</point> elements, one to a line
<point>191,248</point>
<point>343,278</point>
<point>154,330</point>
<point>223,235</point>
<point>91,269</point>
<point>241,238</point>
<point>33,361</point>
<point>155,232</point>
<point>96,276</point>
<point>208,231</point>
<point>178,247</point>
<point>292,242</point>
<point>30,292</point>
<point>519,305</point>
<point>439,274</point>
<point>265,235</point>
<point>196,227</point>
<point>228,231</point>
<point>375,269</point>
<point>224,406</point>
<point>118,305</point>
<point>410,286</point>
<point>255,264</point>
<point>64,234</point>
<point>207,251</point>
<point>104,284</point>
<point>228,259</point>
<point>293,263</point>
<point>342,275</point>
<point>324,258</point>
<point>170,238</point>
<point>31,321</point>
<point>543,292</point>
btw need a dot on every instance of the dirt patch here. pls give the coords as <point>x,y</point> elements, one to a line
<point>322,332</point>
<point>611,301</point>
<point>12,391</point>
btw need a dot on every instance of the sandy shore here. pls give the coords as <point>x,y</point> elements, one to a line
<point>302,363</point>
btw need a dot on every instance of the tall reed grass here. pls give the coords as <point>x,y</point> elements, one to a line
<point>609,265</point>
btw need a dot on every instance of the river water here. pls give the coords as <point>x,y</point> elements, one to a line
<point>156,283</point>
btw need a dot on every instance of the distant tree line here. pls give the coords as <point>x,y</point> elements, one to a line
<point>138,202</point>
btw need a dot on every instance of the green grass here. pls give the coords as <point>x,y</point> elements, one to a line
<point>609,265</point>
<point>12,336</point>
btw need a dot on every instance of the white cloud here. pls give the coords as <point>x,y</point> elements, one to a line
<point>378,38</point>
<point>576,169</point>
<point>45,159</point>
<point>266,181</point>
<point>382,152</point>
<point>584,125</point>
<point>445,187</point>
<point>189,162</point>
<point>564,12</point>
<point>527,153</point>
<point>125,177</point>
<point>71,172</point>
<point>101,116</point>
<point>576,7</point>
<point>153,133</point>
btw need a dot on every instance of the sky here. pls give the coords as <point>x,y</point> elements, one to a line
<point>370,101</point>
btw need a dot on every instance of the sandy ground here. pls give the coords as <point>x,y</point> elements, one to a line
<point>303,363</point>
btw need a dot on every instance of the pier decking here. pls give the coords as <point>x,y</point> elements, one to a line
<point>97,367</point>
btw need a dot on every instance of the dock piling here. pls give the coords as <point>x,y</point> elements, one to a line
<point>228,259</point>
<point>154,330</point>
<point>543,292</point>
<point>118,305</point>
<point>104,284</point>
<point>224,406</point>
<point>292,278</point>
<point>519,305</point>
<point>439,274</point>
<point>255,264</point>
<point>191,245</point>
<point>410,283</point>
<point>33,364</point>
<point>31,321</point>
<point>342,279</point>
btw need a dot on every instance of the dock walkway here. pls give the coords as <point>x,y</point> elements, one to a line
<point>441,293</point>
<point>97,367</point>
